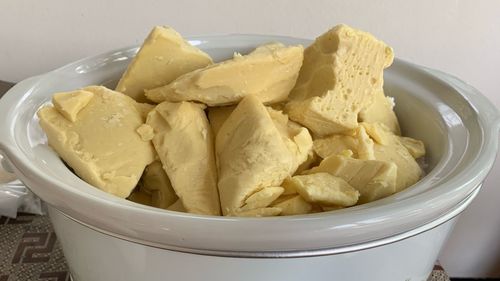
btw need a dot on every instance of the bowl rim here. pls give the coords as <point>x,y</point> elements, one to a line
<point>487,117</point>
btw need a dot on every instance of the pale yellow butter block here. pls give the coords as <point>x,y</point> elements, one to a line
<point>415,147</point>
<point>156,182</point>
<point>409,172</point>
<point>324,188</point>
<point>269,73</point>
<point>260,212</point>
<point>251,154</point>
<point>70,103</point>
<point>381,111</point>
<point>101,144</point>
<point>262,198</point>
<point>341,73</point>
<point>163,57</point>
<point>374,179</point>
<point>295,205</point>
<point>296,137</point>
<point>184,142</point>
<point>359,143</point>
<point>218,115</point>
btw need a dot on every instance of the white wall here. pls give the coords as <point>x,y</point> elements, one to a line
<point>459,37</point>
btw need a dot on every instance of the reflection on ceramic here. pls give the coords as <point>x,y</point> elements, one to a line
<point>458,125</point>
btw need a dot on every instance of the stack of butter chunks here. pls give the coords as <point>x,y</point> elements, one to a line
<point>278,131</point>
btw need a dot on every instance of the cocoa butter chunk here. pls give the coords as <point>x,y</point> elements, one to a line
<point>381,111</point>
<point>251,154</point>
<point>94,131</point>
<point>324,188</point>
<point>341,73</point>
<point>374,179</point>
<point>163,57</point>
<point>269,73</point>
<point>184,142</point>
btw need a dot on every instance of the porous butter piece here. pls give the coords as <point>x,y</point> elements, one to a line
<point>101,145</point>
<point>324,188</point>
<point>163,57</point>
<point>358,142</point>
<point>70,103</point>
<point>262,198</point>
<point>296,205</point>
<point>415,147</point>
<point>341,73</point>
<point>156,182</point>
<point>374,179</point>
<point>184,142</point>
<point>381,111</point>
<point>269,73</point>
<point>251,154</point>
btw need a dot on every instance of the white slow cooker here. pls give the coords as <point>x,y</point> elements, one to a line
<point>397,238</point>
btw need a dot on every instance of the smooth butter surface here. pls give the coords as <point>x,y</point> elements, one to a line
<point>163,57</point>
<point>101,144</point>
<point>184,142</point>
<point>269,73</point>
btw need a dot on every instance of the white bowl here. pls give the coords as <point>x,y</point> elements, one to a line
<point>397,238</point>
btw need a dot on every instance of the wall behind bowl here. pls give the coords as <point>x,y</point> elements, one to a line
<point>458,37</point>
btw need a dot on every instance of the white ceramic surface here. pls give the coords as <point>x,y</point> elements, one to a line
<point>458,125</point>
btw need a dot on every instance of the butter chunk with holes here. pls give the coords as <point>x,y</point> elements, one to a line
<point>341,73</point>
<point>184,142</point>
<point>324,188</point>
<point>374,179</point>
<point>163,57</point>
<point>101,145</point>
<point>269,73</point>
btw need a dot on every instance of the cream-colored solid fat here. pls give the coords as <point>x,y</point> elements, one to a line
<point>269,73</point>
<point>101,145</point>
<point>324,188</point>
<point>374,179</point>
<point>251,154</point>
<point>262,198</point>
<point>359,143</point>
<point>70,103</point>
<point>184,142</point>
<point>297,138</point>
<point>414,146</point>
<point>295,205</point>
<point>381,111</point>
<point>163,57</point>
<point>259,212</point>
<point>341,72</point>
<point>155,181</point>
